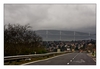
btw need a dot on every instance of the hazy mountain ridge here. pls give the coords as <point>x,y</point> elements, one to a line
<point>64,35</point>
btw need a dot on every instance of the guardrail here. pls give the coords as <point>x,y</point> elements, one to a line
<point>18,57</point>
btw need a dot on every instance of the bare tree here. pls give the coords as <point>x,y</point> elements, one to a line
<point>20,39</point>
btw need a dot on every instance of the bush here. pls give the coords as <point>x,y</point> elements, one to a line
<point>20,39</point>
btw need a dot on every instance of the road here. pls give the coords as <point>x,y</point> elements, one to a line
<point>67,59</point>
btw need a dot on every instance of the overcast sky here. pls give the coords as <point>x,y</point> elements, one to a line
<point>73,17</point>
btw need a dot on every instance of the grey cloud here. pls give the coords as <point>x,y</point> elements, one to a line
<point>79,17</point>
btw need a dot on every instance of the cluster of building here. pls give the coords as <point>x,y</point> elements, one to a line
<point>53,46</point>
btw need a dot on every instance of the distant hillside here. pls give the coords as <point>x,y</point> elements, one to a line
<point>56,35</point>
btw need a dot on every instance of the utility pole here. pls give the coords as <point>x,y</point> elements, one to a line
<point>47,34</point>
<point>60,35</point>
<point>74,36</point>
<point>89,35</point>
